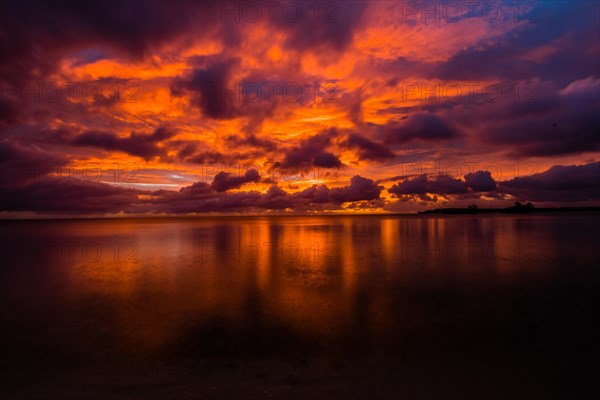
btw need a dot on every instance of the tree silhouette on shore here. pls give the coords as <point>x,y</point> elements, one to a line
<point>520,207</point>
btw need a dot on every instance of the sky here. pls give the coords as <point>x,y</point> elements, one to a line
<point>267,107</point>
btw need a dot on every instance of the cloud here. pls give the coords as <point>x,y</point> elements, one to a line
<point>69,196</point>
<point>208,89</point>
<point>202,197</point>
<point>205,157</point>
<point>224,181</point>
<point>572,183</point>
<point>24,164</point>
<point>480,181</point>
<point>311,153</point>
<point>556,47</point>
<point>566,183</point>
<point>144,146</point>
<point>35,35</point>
<point>187,69</point>
<point>442,185</point>
<point>75,196</point>
<point>359,189</point>
<point>366,149</point>
<point>554,122</point>
<point>429,190</point>
<point>252,141</point>
<point>333,31</point>
<point>427,127</point>
<point>588,86</point>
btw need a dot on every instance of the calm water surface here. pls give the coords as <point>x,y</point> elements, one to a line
<point>351,307</point>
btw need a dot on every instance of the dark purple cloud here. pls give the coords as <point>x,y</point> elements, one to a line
<point>144,146</point>
<point>9,110</point>
<point>315,194</point>
<point>421,184</point>
<point>311,153</point>
<point>480,181</point>
<point>563,121</point>
<point>23,164</point>
<point>366,149</point>
<point>573,183</point>
<point>326,160</point>
<point>75,196</point>
<point>224,181</point>
<point>566,183</point>
<point>428,189</point>
<point>208,88</point>
<point>202,197</point>
<point>359,189</point>
<point>331,30</point>
<point>203,157</point>
<point>70,196</point>
<point>252,141</point>
<point>427,127</point>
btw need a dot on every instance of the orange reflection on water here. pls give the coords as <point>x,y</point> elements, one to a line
<point>209,284</point>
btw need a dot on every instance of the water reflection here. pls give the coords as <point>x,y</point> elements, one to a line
<point>118,290</point>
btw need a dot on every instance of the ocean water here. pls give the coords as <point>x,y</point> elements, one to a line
<point>486,306</point>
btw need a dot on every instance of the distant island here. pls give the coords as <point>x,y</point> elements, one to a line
<point>517,208</point>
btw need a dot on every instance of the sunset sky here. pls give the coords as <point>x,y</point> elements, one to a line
<point>193,107</point>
